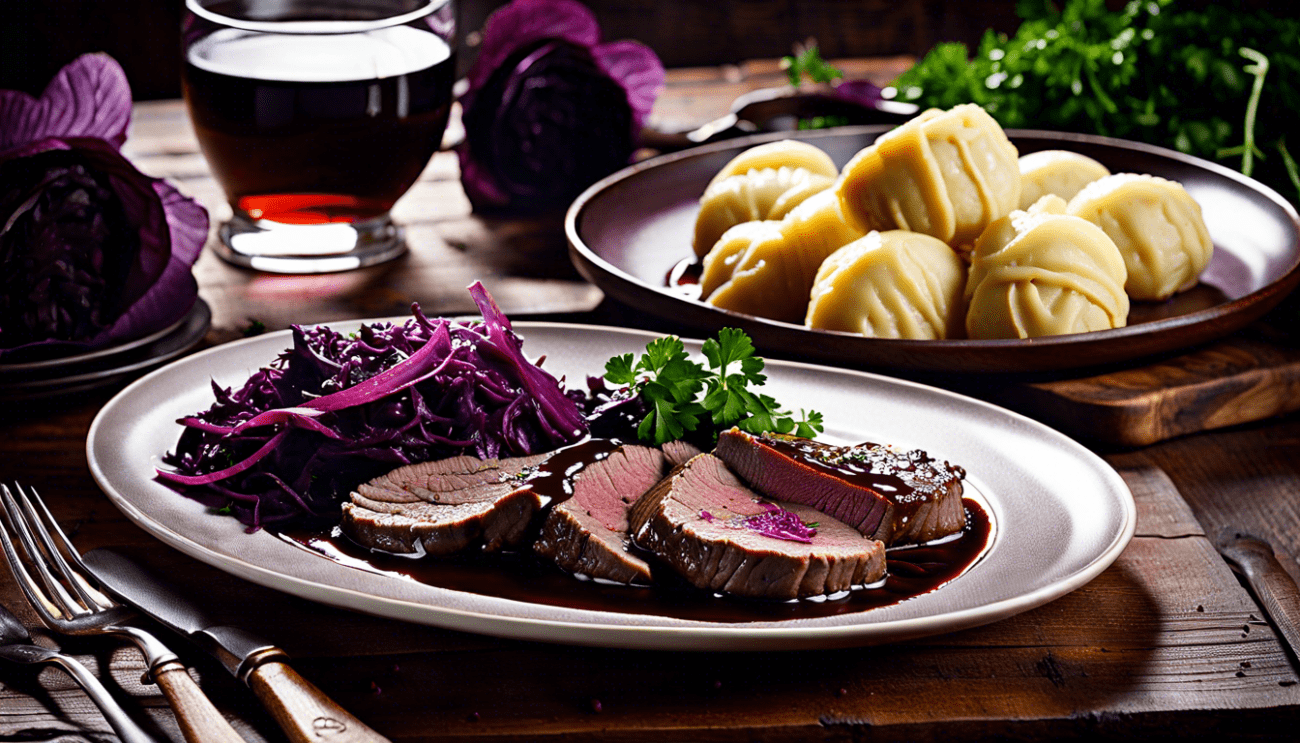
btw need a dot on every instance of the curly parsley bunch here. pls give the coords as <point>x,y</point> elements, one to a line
<point>683,395</point>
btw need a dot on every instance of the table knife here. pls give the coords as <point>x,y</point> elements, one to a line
<point>1276,591</point>
<point>302,710</point>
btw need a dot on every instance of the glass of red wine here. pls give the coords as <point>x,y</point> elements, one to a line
<point>315,117</point>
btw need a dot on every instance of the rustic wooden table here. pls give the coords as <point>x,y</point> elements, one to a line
<point>1167,641</point>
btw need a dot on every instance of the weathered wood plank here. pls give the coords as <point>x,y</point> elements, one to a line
<point>1244,479</point>
<point>1233,381</point>
<point>1161,511</point>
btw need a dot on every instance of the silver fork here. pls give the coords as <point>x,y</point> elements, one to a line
<point>69,601</point>
<point>16,646</point>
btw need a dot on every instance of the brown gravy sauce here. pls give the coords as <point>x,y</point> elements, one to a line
<point>553,480</point>
<point>520,576</point>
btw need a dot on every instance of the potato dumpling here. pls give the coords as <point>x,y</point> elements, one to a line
<point>1157,226</point>
<point>769,193</point>
<point>893,284</point>
<point>1056,172</point>
<point>767,268</point>
<point>1040,272</point>
<point>946,174</point>
<point>787,153</point>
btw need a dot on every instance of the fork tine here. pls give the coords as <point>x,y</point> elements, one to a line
<point>90,598</point>
<point>199,720</point>
<point>55,593</point>
<point>48,612</point>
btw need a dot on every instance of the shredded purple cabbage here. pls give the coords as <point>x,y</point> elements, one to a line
<point>335,411</point>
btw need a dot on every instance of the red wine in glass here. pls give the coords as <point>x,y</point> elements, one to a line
<point>304,127</point>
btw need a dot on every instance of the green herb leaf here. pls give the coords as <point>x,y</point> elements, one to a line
<point>807,62</point>
<point>672,384</point>
<point>1258,70</point>
<point>765,414</point>
<point>660,352</point>
<point>725,404</point>
<point>619,370</point>
<point>810,425</point>
<point>1291,170</point>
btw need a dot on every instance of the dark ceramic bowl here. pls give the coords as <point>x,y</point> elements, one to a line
<point>627,233</point>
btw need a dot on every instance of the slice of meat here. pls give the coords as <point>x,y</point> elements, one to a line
<point>700,521</point>
<point>444,506</point>
<point>587,534</point>
<point>897,497</point>
<point>679,452</point>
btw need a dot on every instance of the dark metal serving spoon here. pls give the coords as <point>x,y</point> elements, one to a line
<point>16,645</point>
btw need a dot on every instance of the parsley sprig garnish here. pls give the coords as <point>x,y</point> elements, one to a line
<point>682,394</point>
<point>807,61</point>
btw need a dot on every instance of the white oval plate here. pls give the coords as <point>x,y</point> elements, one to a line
<point>1062,515</point>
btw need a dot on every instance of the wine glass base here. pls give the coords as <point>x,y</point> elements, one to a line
<point>274,247</point>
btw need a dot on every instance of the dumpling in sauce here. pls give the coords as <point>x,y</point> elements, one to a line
<point>1056,172</point>
<point>757,195</point>
<point>1157,226</point>
<point>893,284</point>
<point>1040,272</point>
<point>944,173</point>
<point>767,268</point>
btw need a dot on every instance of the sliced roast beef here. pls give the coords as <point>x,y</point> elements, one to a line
<point>444,506</point>
<point>447,506</point>
<point>721,536</point>
<point>897,497</point>
<point>679,452</point>
<point>587,534</point>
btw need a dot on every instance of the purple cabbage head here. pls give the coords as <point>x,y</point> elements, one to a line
<point>549,110</point>
<point>92,252</point>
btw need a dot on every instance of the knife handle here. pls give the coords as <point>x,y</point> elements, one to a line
<point>200,722</point>
<point>303,711</point>
<point>1276,592</point>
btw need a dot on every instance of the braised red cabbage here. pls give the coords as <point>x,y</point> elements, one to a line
<point>335,411</point>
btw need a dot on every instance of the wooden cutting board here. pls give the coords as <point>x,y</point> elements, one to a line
<point>1238,380</point>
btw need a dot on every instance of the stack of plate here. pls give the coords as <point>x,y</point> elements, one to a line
<point>66,375</point>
